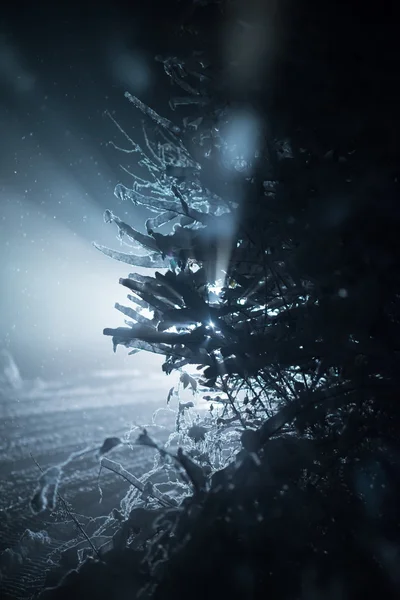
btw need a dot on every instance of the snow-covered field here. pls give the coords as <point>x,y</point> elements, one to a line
<point>49,421</point>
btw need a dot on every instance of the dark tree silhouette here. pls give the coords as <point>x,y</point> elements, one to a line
<point>280,280</point>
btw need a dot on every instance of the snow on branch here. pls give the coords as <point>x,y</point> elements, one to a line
<point>162,121</point>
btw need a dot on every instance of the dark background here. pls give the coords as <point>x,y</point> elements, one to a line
<point>60,70</point>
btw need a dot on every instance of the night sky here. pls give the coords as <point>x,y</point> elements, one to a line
<point>59,73</point>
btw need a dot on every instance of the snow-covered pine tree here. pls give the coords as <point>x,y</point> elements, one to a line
<point>280,281</point>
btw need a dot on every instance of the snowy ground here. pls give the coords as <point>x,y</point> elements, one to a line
<point>51,420</point>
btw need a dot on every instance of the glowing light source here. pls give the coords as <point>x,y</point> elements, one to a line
<point>216,288</point>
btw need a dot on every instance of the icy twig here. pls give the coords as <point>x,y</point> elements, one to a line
<point>150,261</point>
<point>162,121</point>
<point>119,470</point>
<point>69,513</point>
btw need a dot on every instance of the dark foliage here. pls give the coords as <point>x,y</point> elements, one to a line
<point>299,345</point>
